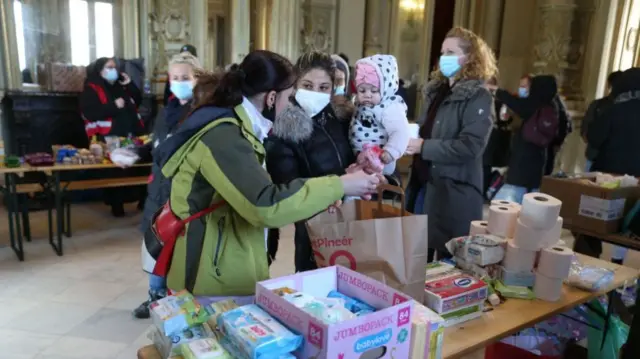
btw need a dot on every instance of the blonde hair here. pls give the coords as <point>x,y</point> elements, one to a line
<point>481,62</point>
<point>185,58</point>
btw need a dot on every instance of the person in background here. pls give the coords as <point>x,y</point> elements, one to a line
<point>182,72</point>
<point>446,178</point>
<point>496,154</point>
<point>402,91</point>
<point>310,139</point>
<point>216,158</point>
<point>189,49</point>
<point>342,76</point>
<point>565,127</point>
<point>613,136</point>
<point>109,107</point>
<point>596,109</point>
<point>527,160</point>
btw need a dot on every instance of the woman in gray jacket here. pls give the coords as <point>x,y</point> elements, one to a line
<point>446,177</point>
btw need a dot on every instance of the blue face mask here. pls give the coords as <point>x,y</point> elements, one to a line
<point>340,90</point>
<point>183,90</point>
<point>449,65</point>
<point>523,92</point>
<point>110,75</point>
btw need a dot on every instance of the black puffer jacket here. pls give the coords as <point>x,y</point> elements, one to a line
<point>614,135</point>
<point>159,187</point>
<point>304,147</point>
<point>527,160</point>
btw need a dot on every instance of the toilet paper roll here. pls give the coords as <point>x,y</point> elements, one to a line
<point>414,130</point>
<point>478,227</point>
<point>518,260</point>
<point>555,262</point>
<point>549,289</point>
<point>540,210</point>
<point>502,221</point>
<point>553,236</point>
<point>528,238</point>
<point>500,202</point>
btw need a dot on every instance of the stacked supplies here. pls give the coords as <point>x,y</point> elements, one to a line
<point>534,255</point>
<point>478,254</point>
<point>427,333</point>
<point>454,294</point>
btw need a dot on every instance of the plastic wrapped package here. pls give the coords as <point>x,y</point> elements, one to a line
<point>256,334</point>
<point>176,313</point>
<point>169,346</point>
<point>589,277</point>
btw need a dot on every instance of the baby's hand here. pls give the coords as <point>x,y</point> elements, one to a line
<point>386,158</point>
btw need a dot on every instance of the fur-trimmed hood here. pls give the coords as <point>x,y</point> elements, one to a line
<point>295,125</point>
<point>462,90</point>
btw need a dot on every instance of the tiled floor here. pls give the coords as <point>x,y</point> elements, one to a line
<point>79,305</point>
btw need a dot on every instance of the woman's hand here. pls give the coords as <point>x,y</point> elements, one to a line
<point>334,207</point>
<point>491,88</point>
<point>359,184</point>
<point>125,79</point>
<point>415,146</point>
<point>119,102</point>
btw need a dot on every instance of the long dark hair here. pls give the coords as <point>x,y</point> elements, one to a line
<point>260,71</point>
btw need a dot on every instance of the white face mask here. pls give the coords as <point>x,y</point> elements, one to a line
<point>312,102</point>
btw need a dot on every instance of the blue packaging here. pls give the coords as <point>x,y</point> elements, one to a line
<point>256,334</point>
<point>353,305</point>
<point>237,354</point>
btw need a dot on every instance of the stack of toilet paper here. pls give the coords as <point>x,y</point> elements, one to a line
<point>535,256</point>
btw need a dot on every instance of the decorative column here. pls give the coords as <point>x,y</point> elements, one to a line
<point>553,41</point>
<point>260,16</point>
<point>240,22</point>
<point>491,30</point>
<point>284,28</point>
<point>373,27</point>
<point>199,30</point>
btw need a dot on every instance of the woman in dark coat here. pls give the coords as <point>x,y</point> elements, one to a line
<point>309,140</point>
<point>447,166</point>
<point>527,160</point>
<point>182,68</point>
<point>109,106</point>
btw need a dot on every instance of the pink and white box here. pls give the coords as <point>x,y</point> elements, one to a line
<point>386,332</point>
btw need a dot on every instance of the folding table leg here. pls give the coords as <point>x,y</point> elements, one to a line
<point>13,210</point>
<point>67,217</point>
<point>24,208</point>
<point>57,247</point>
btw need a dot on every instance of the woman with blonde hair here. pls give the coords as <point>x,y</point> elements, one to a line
<point>446,177</point>
<point>183,69</point>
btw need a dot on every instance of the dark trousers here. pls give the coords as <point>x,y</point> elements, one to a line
<point>551,160</point>
<point>587,245</point>
<point>632,348</point>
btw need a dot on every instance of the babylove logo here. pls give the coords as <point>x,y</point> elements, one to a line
<point>315,335</point>
<point>373,341</point>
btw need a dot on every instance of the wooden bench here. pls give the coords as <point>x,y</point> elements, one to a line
<point>30,188</point>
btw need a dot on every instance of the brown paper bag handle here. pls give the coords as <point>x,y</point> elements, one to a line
<point>395,189</point>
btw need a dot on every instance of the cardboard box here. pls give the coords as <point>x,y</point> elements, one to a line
<point>455,294</point>
<point>386,332</point>
<point>588,206</point>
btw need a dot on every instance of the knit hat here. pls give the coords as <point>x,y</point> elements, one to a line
<point>366,74</point>
<point>342,66</point>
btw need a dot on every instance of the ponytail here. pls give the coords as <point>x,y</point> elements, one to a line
<point>260,72</point>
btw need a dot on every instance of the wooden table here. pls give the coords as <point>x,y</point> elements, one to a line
<point>515,315</point>
<point>52,173</point>
<point>509,318</point>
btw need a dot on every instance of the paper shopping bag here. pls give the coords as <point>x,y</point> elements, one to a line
<point>379,240</point>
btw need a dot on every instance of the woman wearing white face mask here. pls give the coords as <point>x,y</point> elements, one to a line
<point>446,177</point>
<point>310,140</point>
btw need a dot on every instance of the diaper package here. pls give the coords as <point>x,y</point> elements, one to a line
<point>178,312</point>
<point>328,310</point>
<point>236,353</point>
<point>355,306</point>
<point>207,348</point>
<point>218,308</point>
<point>171,345</point>
<point>256,334</point>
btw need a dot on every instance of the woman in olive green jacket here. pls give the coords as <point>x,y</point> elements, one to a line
<point>217,157</point>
